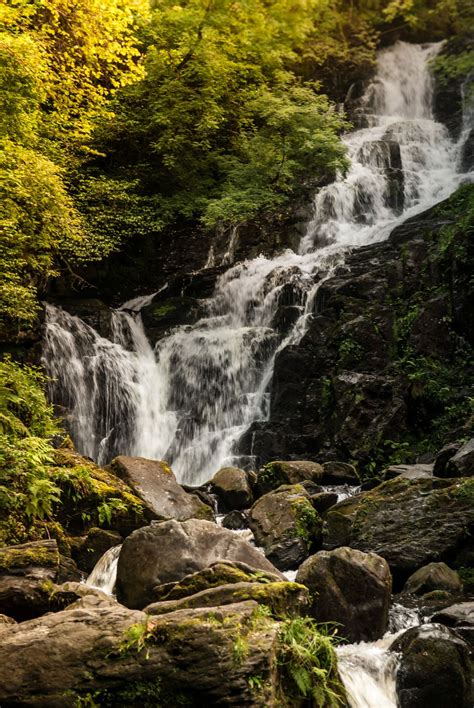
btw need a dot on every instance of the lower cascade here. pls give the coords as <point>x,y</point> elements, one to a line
<point>190,399</point>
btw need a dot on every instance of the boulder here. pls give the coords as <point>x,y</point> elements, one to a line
<point>323,501</point>
<point>120,657</point>
<point>407,522</point>
<point>286,525</point>
<point>235,521</point>
<point>28,573</point>
<point>351,588</point>
<point>168,551</point>
<point>233,489</point>
<point>284,599</point>
<point>154,482</point>
<point>340,473</point>
<point>460,618</point>
<point>434,576</point>
<point>93,546</point>
<point>462,463</point>
<point>279,472</point>
<point>418,471</point>
<point>434,670</point>
<point>442,458</point>
<point>216,574</point>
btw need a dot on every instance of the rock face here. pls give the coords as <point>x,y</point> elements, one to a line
<point>434,576</point>
<point>155,483</point>
<point>27,574</point>
<point>279,472</point>
<point>168,551</point>
<point>351,588</point>
<point>434,670</point>
<point>407,522</point>
<point>232,488</point>
<point>190,657</point>
<point>286,525</point>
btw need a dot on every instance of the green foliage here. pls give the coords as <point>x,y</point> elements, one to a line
<point>308,662</point>
<point>307,520</point>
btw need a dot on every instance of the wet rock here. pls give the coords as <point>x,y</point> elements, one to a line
<point>407,522</point>
<point>434,670</point>
<point>323,501</point>
<point>279,472</point>
<point>434,576</point>
<point>443,457</point>
<point>286,525</point>
<point>232,487</point>
<point>235,521</point>
<point>92,311</point>
<point>154,482</point>
<point>351,588</point>
<point>93,546</point>
<point>460,618</point>
<point>168,551</point>
<point>417,471</point>
<point>216,574</point>
<point>27,575</point>
<point>284,599</point>
<point>162,314</point>
<point>339,473</point>
<point>462,463</point>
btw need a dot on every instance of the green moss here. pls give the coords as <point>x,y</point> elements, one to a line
<point>271,476</point>
<point>147,694</point>
<point>308,523</point>
<point>164,310</point>
<point>16,557</point>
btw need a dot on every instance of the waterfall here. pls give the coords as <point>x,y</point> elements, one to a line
<point>190,399</point>
<point>104,574</point>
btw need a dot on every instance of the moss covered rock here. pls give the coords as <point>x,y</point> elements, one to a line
<point>274,474</point>
<point>286,525</point>
<point>233,489</point>
<point>433,577</point>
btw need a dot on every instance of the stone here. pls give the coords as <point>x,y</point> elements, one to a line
<point>233,489</point>
<point>418,471</point>
<point>168,551</point>
<point>154,482</point>
<point>235,521</point>
<point>6,622</point>
<point>323,501</point>
<point>284,599</point>
<point>27,575</point>
<point>279,472</point>
<point>340,473</point>
<point>462,463</point>
<point>93,546</point>
<point>214,575</point>
<point>351,588</point>
<point>460,618</point>
<point>434,669</point>
<point>286,525</point>
<point>407,522</point>
<point>193,657</point>
<point>434,576</point>
<point>443,456</point>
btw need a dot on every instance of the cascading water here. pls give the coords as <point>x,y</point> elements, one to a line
<point>104,574</point>
<point>190,400</point>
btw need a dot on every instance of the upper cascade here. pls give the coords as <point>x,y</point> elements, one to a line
<point>191,398</point>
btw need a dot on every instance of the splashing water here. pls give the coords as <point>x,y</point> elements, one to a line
<point>190,400</point>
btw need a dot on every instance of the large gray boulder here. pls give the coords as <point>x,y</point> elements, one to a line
<point>351,588</point>
<point>462,463</point>
<point>233,489</point>
<point>407,522</point>
<point>434,576</point>
<point>167,551</point>
<point>460,618</point>
<point>154,482</point>
<point>286,525</point>
<point>188,657</point>
<point>434,670</point>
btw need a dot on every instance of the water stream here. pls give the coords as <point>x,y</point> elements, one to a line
<point>191,398</point>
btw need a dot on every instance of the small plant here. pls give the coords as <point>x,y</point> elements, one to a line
<point>240,650</point>
<point>108,508</point>
<point>135,639</point>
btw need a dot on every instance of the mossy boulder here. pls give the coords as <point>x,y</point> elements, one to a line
<point>232,487</point>
<point>434,670</point>
<point>351,588</point>
<point>216,574</point>
<point>167,551</point>
<point>274,474</point>
<point>286,525</point>
<point>433,577</point>
<point>284,599</point>
<point>407,522</point>
<point>153,481</point>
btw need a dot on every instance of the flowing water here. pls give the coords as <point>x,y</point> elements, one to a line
<point>191,398</point>
<point>104,574</point>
